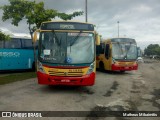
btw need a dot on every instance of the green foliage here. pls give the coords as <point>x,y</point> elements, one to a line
<point>3,36</point>
<point>152,49</point>
<point>16,77</point>
<point>69,16</point>
<point>33,12</point>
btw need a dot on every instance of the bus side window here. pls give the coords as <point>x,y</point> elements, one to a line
<point>98,48</point>
<point>1,44</point>
<point>13,44</point>
<point>107,51</point>
<point>27,43</point>
<point>102,48</point>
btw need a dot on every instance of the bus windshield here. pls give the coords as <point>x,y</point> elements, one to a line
<point>124,51</point>
<point>66,47</point>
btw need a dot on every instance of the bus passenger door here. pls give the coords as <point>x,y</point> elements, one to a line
<point>27,53</point>
<point>98,52</point>
<point>100,55</point>
<point>108,59</point>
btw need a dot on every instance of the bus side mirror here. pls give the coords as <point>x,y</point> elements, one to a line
<point>35,36</point>
<point>97,39</point>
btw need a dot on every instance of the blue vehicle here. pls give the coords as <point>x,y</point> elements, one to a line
<point>16,54</point>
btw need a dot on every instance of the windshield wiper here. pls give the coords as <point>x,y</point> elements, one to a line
<point>125,57</point>
<point>58,41</point>
<point>120,47</point>
<point>75,39</point>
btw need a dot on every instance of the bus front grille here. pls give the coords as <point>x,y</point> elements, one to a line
<point>65,73</point>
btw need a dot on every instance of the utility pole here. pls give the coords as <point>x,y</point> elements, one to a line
<point>86,10</point>
<point>118,28</point>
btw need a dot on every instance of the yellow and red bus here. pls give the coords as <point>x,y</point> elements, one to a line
<point>66,53</point>
<point>117,54</point>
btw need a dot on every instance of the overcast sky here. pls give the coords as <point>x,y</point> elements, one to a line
<point>139,19</point>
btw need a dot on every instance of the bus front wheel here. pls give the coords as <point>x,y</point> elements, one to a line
<point>122,71</point>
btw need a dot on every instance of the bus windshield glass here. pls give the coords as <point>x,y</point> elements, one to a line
<point>124,51</point>
<point>66,47</point>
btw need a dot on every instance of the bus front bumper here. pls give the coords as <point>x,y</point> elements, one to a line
<point>86,80</point>
<point>124,68</point>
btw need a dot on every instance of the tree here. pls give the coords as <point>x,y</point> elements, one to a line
<point>152,49</point>
<point>33,12</point>
<point>4,36</point>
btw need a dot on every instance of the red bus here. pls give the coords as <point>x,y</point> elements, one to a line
<point>66,53</point>
<point>117,54</point>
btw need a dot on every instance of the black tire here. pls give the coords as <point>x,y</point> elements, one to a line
<point>122,71</point>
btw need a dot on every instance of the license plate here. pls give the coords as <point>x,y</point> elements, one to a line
<point>65,80</point>
<point>126,67</point>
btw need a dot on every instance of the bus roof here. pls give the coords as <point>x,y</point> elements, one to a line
<point>69,21</point>
<point>120,40</point>
<point>66,25</point>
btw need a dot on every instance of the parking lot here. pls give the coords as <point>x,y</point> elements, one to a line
<point>129,91</point>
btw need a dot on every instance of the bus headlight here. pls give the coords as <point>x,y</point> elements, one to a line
<point>91,68</point>
<point>40,67</point>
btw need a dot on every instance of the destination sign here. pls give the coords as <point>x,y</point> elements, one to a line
<point>129,40</point>
<point>79,34</point>
<point>66,26</point>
